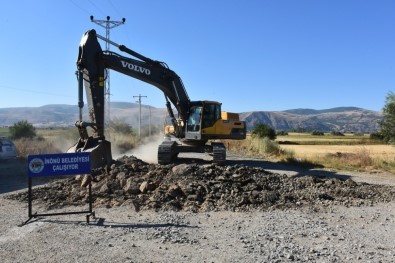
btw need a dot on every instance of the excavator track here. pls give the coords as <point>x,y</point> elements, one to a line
<point>166,152</point>
<point>219,153</point>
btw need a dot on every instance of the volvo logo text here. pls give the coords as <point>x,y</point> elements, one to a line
<point>136,68</point>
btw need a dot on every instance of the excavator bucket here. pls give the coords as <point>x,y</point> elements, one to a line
<point>100,151</point>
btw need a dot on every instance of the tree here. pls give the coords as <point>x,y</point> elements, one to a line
<point>387,124</point>
<point>317,133</point>
<point>337,133</point>
<point>264,130</point>
<point>121,127</point>
<point>22,129</point>
<point>376,136</point>
<point>282,133</point>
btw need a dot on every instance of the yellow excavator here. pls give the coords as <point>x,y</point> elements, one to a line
<point>197,125</point>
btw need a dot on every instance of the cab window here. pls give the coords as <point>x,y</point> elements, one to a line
<point>211,113</point>
<point>194,119</point>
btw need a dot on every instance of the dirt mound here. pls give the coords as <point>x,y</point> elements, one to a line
<point>204,187</point>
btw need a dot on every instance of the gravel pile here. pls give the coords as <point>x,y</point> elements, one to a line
<point>204,187</point>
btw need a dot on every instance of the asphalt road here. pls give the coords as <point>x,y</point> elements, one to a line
<point>13,176</point>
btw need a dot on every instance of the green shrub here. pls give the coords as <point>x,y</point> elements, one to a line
<point>121,127</point>
<point>282,133</point>
<point>376,136</point>
<point>22,129</point>
<point>263,130</point>
<point>337,133</point>
<point>317,133</point>
<point>264,146</point>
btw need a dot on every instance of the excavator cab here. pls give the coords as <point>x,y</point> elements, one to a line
<point>202,115</point>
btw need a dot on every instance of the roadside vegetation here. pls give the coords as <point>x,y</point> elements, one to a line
<point>333,150</point>
<point>261,142</point>
<point>358,152</point>
<point>348,152</point>
<point>30,140</point>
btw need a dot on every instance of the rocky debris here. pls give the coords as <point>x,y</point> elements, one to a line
<point>204,187</point>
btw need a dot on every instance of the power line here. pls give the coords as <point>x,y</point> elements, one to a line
<point>125,29</point>
<point>35,91</point>
<point>113,7</point>
<point>92,3</point>
<point>82,9</point>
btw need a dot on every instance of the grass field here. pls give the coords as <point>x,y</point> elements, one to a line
<point>350,152</point>
<point>309,146</point>
<point>327,139</point>
<point>4,131</point>
<point>386,152</point>
<point>59,140</point>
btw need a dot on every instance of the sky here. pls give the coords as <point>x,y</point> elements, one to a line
<point>256,55</point>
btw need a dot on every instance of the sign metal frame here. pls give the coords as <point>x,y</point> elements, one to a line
<point>64,164</point>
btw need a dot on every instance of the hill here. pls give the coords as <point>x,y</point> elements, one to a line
<point>343,119</point>
<point>66,115</point>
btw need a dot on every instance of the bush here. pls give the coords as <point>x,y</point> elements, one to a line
<point>121,127</point>
<point>282,133</point>
<point>337,133</point>
<point>22,129</point>
<point>38,145</point>
<point>262,130</point>
<point>376,136</point>
<point>317,133</point>
<point>268,148</point>
<point>264,146</point>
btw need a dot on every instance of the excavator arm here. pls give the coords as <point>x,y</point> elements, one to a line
<point>93,62</point>
<point>155,74</point>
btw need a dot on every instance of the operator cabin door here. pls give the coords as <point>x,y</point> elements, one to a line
<point>194,123</point>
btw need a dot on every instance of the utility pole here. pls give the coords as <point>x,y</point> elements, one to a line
<point>107,24</point>
<point>149,107</point>
<point>139,102</point>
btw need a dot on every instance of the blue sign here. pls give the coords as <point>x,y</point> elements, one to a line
<point>59,164</point>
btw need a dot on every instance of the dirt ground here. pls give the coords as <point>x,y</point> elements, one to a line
<point>333,233</point>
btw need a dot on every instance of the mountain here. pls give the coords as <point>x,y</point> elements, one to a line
<point>311,111</point>
<point>343,119</point>
<point>59,115</point>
